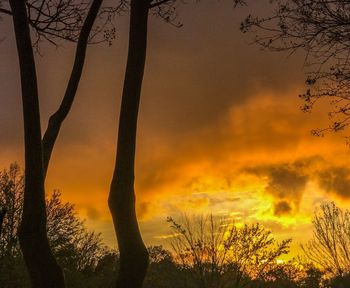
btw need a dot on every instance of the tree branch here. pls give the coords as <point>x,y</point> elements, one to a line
<point>5,11</point>
<point>60,115</point>
<point>158,3</point>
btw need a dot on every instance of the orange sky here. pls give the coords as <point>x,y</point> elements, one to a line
<point>220,130</point>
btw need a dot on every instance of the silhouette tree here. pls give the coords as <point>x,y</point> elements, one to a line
<point>338,282</point>
<point>76,249</point>
<point>330,246</point>
<point>133,253</point>
<point>11,201</point>
<point>320,28</point>
<point>50,20</point>
<point>220,254</point>
<point>294,273</point>
<point>163,271</point>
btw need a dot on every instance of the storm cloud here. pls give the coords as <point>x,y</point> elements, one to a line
<point>285,182</point>
<point>335,180</point>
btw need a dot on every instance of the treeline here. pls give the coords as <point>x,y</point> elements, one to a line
<point>205,252</point>
<point>86,261</point>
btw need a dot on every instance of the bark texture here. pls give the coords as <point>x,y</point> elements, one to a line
<point>133,253</point>
<point>42,266</point>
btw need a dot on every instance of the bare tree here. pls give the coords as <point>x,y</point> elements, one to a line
<point>50,20</point>
<point>330,246</point>
<point>321,28</point>
<point>221,254</point>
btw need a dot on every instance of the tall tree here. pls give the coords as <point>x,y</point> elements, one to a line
<point>42,266</point>
<point>133,253</point>
<point>321,29</point>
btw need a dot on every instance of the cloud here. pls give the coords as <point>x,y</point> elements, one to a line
<point>282,208</point>
<point>219,201</point>
<point>335,180</point>
<point>286,182</point>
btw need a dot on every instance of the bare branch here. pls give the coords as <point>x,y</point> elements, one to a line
<point>321,28</point>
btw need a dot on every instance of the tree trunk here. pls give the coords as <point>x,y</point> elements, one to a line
<point>133,253</point>
<point>2,217</point>
<point>60,115</point>
<point>42,266</point>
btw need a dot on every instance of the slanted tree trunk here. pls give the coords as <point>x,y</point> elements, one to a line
<point>60,115</point>
<point>42,266</point>
<point>133,253</point>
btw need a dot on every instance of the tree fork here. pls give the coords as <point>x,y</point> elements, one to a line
<point>133,253</point>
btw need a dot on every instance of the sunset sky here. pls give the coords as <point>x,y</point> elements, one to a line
<point>220,129</point>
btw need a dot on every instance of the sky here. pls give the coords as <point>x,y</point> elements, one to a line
<point>220,128</point>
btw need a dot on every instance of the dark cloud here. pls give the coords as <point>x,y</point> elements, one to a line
<point>282,208</point>
<point>286,182</point>
<point>335,180</point>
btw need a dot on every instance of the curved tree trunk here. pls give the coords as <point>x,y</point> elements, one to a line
<point>42,266</point>
<point>60,115</point>
<point>133,253</point>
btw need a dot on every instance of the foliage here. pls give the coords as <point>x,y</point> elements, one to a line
<point>291,274</point>
<point>338,282</point>
<point>163,272</point>
<point>79,251</point>
<point>221,254</point>
<point>11,198</point>
<point>206,252</point>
